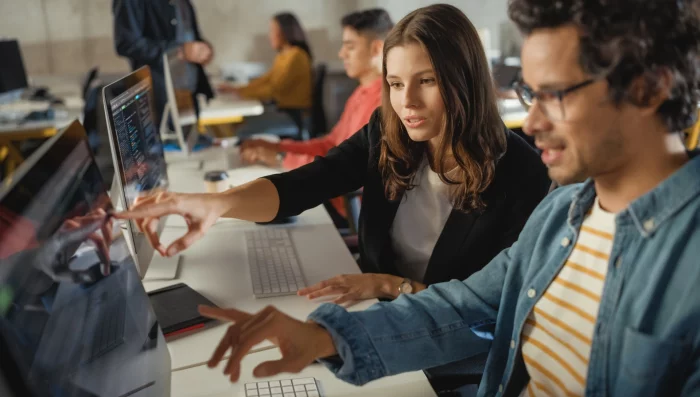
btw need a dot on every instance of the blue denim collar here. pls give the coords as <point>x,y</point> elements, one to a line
<point>651,210</point>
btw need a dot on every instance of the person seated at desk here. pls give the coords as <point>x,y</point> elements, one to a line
<point>288,83</point>
<point>145,30</point>
<point>599,295</point>
<point>363,41</point>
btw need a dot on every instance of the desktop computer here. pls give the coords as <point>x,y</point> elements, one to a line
<point>137,152</point>
<point>180,109</point>
<point>74,317</point>
<point>140,163</point>
<point>13,77</point>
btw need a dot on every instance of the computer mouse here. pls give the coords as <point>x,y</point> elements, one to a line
<point>40,93</point>
<point>280,221</point>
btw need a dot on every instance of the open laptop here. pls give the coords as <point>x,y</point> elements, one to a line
<point>74,317</point>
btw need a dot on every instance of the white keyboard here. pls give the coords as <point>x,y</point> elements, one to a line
<point>303,387</point>
<point>274,266</point>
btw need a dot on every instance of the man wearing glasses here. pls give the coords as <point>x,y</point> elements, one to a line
<point>601,293</point>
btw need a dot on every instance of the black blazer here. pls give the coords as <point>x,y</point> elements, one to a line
<point>143,32</point>
<point>468,241</point>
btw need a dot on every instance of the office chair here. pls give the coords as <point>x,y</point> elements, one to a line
<point>466,373</point>
<point>317,124</point>
<point>353,203</point>
<point>89,79</point>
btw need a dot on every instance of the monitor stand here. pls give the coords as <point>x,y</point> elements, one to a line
<point>160,268</point>
<point>163,269</point>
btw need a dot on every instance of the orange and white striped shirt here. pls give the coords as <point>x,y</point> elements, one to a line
<point>556,340</point>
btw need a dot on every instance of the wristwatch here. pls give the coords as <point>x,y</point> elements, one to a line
<point>406,286</point>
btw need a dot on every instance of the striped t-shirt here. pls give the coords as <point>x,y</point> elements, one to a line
<point>556,340</point>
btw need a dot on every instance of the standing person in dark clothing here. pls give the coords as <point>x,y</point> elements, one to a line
<point>146,29</point>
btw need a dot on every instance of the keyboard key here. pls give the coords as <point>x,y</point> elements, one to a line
<point>286,382</point>
<point>252,393</point>
<point>288,389</point>
<point>264,392</point>
<point>304,381</point>
<point>313,394</point>
<point>311,387</point>
<point>251,386</point>
<point>299,388</point>
<point>275,390</point>
<point>275,383</point>
<point>302,394</point>
<point>277,395</point>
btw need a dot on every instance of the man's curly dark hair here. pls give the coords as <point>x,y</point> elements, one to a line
<point>623,40</point>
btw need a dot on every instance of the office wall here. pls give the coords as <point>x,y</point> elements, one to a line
<point>484,14</point>
<point>70,36</point>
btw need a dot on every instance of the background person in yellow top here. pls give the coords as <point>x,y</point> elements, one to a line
<point>288,83</point>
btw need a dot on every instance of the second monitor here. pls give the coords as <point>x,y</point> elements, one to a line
<point>137,150</point>
<point>180,109</point>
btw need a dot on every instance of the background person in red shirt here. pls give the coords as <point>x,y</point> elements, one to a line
<point>363,42</point>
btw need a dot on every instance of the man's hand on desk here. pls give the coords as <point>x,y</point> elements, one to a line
<point>256,143</point>
<point>261,155</point>
<point>354,287</point>
<point>300,343</point>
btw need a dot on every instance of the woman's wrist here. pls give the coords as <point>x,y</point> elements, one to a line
<point>390,286</point>
<point>223,203</point>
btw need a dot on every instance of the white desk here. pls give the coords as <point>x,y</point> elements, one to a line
<point>217,267</point>
<point>225,106</point>
<point>205,382</point>
<point>512,113</point>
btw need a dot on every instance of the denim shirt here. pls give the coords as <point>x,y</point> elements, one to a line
<point>647,334</point>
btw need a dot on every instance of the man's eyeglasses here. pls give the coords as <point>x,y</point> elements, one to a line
<point>551,101</point>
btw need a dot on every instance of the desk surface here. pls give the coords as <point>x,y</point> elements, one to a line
<point>14,130</point>
<point>205,382</point>
<point>229,106</point>
<point>217,266</point>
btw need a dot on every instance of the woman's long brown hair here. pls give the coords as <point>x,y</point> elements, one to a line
<point>473,137</point>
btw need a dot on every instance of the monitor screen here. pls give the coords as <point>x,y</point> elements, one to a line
<point>12,73</point>
<point>74,317</point>
<point>137,150</point>
<point>505,76</point>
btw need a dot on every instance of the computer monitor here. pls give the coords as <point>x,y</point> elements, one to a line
<point>137,150</point>
<point>505,75</point>
<point>74,317</point>
<point>180,106</point>
<point>13,76</point>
